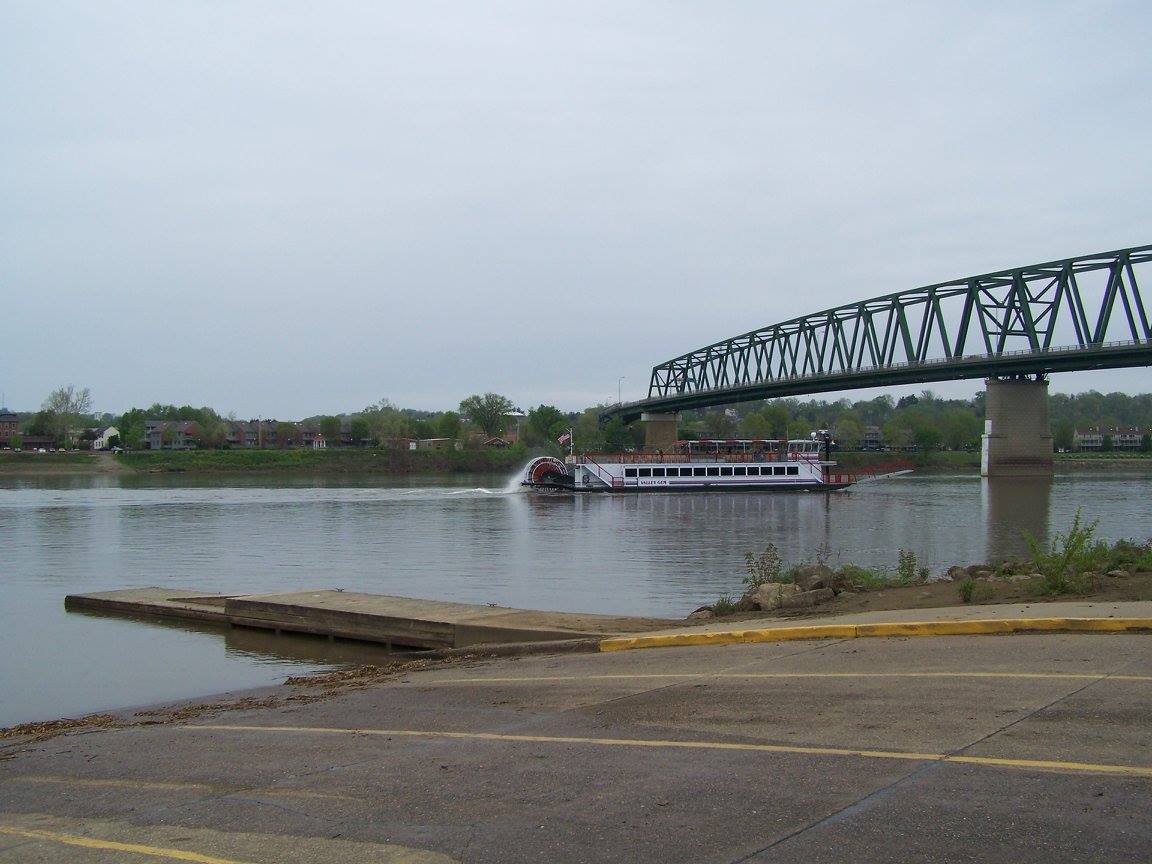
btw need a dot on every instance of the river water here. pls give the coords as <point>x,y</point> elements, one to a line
<point>470,541</point>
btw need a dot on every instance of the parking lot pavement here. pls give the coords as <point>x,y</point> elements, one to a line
<point>1025,748</point>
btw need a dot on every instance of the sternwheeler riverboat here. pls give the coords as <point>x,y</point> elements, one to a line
<point>799,465</point>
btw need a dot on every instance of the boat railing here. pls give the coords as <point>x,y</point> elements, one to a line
<point>604,474</point>
<point>680,458</point>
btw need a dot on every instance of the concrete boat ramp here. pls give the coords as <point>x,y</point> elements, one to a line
<point>401,621</point>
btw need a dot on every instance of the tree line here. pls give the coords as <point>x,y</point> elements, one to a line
<point>924,420</point>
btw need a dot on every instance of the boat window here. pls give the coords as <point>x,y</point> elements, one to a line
<point>645,472</point>
<point>741,471</point>
<point>726,472</point>
<point>698,472</point>
<point>778,470</point>
<point>714,471</point>
<point>629,472</point>
<point>657,472</point>
<point>792,469</point>
<point>754,471</point>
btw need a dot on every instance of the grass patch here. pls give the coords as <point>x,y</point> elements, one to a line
<point>724,605</point>
<point>32,459</point>
<point>335,461</point>
<point>863,578</point>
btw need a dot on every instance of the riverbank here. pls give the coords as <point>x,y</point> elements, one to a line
<point>401,463</point>
<point>59,464</point>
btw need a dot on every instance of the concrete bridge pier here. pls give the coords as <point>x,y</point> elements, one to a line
<point>1017,441</point>
<point>660,431</point>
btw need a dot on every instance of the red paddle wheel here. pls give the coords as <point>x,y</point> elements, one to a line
<point>545,471</point>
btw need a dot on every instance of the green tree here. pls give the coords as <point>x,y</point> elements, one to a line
<point>545,423</point>
<point>448,424</point>
<point>43,423</point>
<point>718,424</point>
<point>360,431</point>
<point>960,428</point>
<point>617,436</point>
<point>848,431</point>
<point>928,438</point>
<point>422,429</point>
<point>330,429</point>
<point>587,432</point>
<point>489,412</point>
<point>778,417</point>
<point>213,430</point>
<point>1063,433</point>
<point>799,428</point>
<point>131,426</point>
<point>287,435</point>
<point>897,433</point>
<point>755,425</point>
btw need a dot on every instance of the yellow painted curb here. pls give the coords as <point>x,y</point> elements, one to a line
<point>985,627</point>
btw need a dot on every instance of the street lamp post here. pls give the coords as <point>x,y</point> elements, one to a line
<point>619,383</point>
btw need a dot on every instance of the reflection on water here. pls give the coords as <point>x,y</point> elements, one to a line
<point>656,554</point>
<point>1014,508</point>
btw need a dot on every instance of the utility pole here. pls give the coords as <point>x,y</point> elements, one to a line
<point>619,383</point>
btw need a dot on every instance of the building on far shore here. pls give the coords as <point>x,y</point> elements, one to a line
<point>872,439</point>
<point>434,444</point>
<point>1110,438</point>
<point>171,434</point>
<point>103,437</point>
<point>9,427</point>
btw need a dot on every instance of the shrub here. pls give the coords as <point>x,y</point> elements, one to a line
<point>765,567</point>
<point>967,590</point>
<point>908,569</point>
<point>1065,560</point>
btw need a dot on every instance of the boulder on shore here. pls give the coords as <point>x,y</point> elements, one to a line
<point>704,613</point>
<point>957,573</point>
<point>809,577</point>
<point>804,599</point>
<point>768,596</point>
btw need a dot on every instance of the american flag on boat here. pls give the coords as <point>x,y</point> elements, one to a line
<point>565,438</point>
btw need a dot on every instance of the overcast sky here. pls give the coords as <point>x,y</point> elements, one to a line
<point>288,208</point>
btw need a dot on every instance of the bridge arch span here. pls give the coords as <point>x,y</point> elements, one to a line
<point>1078,313</point>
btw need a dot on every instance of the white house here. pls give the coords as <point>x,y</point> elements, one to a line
<point>103,437</point>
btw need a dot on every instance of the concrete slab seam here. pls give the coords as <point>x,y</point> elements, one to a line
<point>981,627</point>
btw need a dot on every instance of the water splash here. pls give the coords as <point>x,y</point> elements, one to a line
<point>513,484</point>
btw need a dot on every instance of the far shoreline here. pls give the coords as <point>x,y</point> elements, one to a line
<point>402,463</point>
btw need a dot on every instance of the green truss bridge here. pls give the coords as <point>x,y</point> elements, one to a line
<point>1079,313</point>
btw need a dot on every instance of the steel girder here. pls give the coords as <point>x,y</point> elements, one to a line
<point>1080,313</point>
